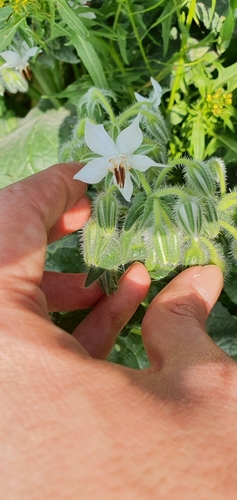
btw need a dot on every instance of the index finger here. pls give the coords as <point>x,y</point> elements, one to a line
<point>28,209</point>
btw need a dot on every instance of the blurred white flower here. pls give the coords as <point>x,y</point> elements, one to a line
<point>84,3</point>
<point>116,157</point>
<point>19,59</point>
<point>155,95</point>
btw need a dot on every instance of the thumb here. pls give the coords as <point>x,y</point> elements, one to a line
<point>174,325</point>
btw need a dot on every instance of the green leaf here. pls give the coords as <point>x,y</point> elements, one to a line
<point>34,145</point>
<point>230,287</point>
<point>226,31</point>
<point>8,33</point>
<point>222,328</point>
<point>5,13</point>
<point>89,57</point>
<point>129,351</point>
<point>7,125</point>
<point>166,26</point>
<point>65,256</point>
<point>122,42</point>
<point>227,76</point>
<point>198,137</point>
<point>71,19</point>
<point>68,321</point>
<point>93,275</point>
<point>80,40</point>
<point>230,143</point>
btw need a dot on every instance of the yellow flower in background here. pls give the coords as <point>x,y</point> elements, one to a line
<point>218,101</point>
<point>24,6</point>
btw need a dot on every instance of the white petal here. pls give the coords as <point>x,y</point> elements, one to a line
<point>143,162</point>
<point>24,47</point>
<point>156,86</point>
<point>128,187</point>
<point>31,52</point>
<point>140,97</point>
<point>12,58</point>
<point>156,97</point>
<point>130,138</point>
<point>93,172</point>
<point>88,15</point>
<point>98,140</point>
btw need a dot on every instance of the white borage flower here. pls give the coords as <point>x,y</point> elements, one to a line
<point>19,59</point>
<point>154,97</point>
<point>116,157</point>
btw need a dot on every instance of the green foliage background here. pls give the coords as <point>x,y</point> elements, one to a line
<point>189,47</point>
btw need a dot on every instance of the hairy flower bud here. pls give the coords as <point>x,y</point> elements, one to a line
<point>163,249</point>
<point>106,209</point>
<point>200,176</point>
<point>101,248</point>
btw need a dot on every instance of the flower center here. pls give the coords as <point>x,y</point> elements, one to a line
<point>119,167</point>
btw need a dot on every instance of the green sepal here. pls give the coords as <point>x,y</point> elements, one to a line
<point>148,216</point>
<point>100,248</point>
<point>109,281</point>
<point>111,257</point>
<point>106,210</point>
<point>135,211</point>
<point>195,254</point>
<point>212,225</point>
<point>189,216</point>
<point>132,246</point>
<point>93,275</point>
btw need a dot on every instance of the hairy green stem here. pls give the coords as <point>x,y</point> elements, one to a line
<point>144,183</point>
<point>106,104</point>
<point>128,113</point>
<point>228,227</point>
<point>162,175</point>
<point>171,191</point>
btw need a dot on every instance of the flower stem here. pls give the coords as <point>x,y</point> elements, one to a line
<point>162,175</point>
<point>144,183</point>
<point>128,113</point>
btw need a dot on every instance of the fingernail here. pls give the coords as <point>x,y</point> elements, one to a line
<point>208,283</point>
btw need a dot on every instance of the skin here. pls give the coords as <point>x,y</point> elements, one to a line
<point>74,426</point>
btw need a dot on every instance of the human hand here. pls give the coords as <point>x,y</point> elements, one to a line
<point>74,426</point>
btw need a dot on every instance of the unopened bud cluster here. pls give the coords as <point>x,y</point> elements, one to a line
<point>165,225</point>
<point>218,101</point>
